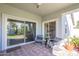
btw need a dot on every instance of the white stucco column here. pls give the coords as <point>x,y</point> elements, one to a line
<point>66,27</point>
<point>0,32</point>
<point>70,24</point>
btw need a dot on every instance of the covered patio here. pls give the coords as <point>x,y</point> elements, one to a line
<point>20,24</point>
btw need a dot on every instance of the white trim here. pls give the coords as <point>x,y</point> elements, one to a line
<point>23,19</point>
<point>24,32</point>
<point>50,20</point>
<point>4,32</point>
<point>47,22</point>
<point>20,44</point>
<point>19,18</point>
<point>71,11</point>
<point>4,29</point>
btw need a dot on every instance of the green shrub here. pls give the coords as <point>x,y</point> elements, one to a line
<point>75,41</point>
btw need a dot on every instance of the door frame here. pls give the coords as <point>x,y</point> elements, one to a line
<point>4,30</point>
<point>47,21</point>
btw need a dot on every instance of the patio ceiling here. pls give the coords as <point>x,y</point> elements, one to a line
<point>44,9</point>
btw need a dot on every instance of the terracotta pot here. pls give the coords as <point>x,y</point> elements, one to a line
<point>77,48</point>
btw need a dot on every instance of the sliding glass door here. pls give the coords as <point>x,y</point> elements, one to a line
<point>20,32</point>
<point>15,32</point>
<point>50,29</point>
<point>30,31</point>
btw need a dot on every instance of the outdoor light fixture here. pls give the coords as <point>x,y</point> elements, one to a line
<point>38,5</point>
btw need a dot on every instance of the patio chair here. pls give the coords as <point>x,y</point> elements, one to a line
<point>54,41</point>
<point>39,39</point>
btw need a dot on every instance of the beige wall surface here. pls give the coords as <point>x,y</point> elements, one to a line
<point>0,32</point>
<point>20,13</point>
<point>6,9</point>
<point>60,12</point>
<point>27,15</point>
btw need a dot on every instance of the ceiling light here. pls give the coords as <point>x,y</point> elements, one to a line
<point>38,5</point>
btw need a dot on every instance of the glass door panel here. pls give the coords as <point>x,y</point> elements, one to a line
<point>20,32</point>
<point>50,30</point>
<point>15,32</point>
<point>30,31</point>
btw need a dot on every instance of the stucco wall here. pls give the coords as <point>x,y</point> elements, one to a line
<point>22,14</point>
<point>65,26</point>
<point>62,20</point>
<point>60,12</point>
<point>73,31</point>
<point>59,28</point>
<point>0,33</point>
<point>62,25</point>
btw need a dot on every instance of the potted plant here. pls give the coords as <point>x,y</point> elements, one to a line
<point>75,41</point>
<point>69,47</point>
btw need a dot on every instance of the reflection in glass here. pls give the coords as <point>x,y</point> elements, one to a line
<point>20,32</point>
<point>15,32</point>
<point>30,31</point>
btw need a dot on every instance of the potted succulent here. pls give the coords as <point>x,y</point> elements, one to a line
<point>69,46</point>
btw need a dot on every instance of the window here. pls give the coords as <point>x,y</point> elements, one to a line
<point>76,19</point>
<point>20,32</point>
<point>15,32</point>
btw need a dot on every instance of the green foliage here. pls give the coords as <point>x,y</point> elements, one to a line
<point>77,26</point>
<point>18,30</point>
<point>75,41</point>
